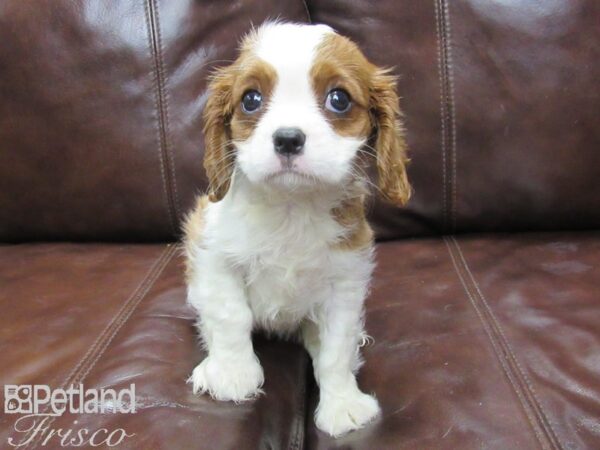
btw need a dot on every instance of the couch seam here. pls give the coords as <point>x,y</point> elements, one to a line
<point>301,421</point>
<point>535,421</point>
<point>497,352</point>
<point>543,415</point>
<point>107,335</point>
<point>167,126</point>
<point>156,106</point>
<point>452,106</point>
<point>442,115</point>
<point>307,9</point>
<point>447,114</point>
<point>161,101</point>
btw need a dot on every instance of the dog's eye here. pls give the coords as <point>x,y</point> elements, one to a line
<point>251,101</point>
<point>338,101</point>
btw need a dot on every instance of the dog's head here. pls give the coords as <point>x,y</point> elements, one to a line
<point>302,106</point>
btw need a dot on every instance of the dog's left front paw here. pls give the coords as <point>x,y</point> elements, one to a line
<point>338,415</point>
<point>237,380</point>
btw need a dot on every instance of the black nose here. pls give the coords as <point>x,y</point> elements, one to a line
<point>289,141</point>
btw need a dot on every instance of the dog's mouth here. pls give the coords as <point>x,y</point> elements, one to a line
<point>291,176</point>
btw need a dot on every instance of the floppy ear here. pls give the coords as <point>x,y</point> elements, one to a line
<point>390,146</point>
<point>218,152</point>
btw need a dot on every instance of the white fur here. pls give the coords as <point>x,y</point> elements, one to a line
<point>267,255</point>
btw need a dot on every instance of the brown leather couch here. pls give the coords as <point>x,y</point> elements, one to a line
<point>485,307</point>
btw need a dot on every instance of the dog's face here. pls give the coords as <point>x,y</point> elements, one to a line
<point>302,106</point>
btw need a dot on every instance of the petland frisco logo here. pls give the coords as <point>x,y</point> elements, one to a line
<point>40,405</point>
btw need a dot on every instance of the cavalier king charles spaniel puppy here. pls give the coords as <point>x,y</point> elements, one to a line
<point>281,242</point>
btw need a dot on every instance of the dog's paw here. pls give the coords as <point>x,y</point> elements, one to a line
<point>232,380</point>
<point>337,415</point>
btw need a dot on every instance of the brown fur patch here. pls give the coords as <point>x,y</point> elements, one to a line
<point>218,151</point>
<point>194,222</point>
<point>193,227</point>
<point>351,215</point>
<point>340,64</point>
<point>258,75</point>
<point>390,145</point>
<point>224,118</point>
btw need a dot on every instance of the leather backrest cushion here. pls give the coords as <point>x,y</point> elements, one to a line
<point>502,109</point>
<point>101,103</point>
<point>100,111</point>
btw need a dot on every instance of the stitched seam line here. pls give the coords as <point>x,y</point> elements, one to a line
<point>300,421</point>
<point>517,367</point>
<point>496,349</point>
<point>438,27</point>
<point>452,110</point>
<point>166,114</point>
<point>307,11</point>
<point>167,167</point>
<point>97,349</point>
<point>512,375</point>
<point>447,115</point>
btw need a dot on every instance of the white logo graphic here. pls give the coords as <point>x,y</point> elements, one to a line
<point>17,399</point>
<point>38,404</point>
<point>40,399</point>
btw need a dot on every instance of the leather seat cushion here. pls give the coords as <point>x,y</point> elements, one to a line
<point>483,342</point>
<point>107,316</point>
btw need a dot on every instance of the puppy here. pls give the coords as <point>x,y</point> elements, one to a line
<point>281,241</point>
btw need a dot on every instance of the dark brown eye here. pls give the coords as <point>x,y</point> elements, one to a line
<point>338,101</point>
<point>251,101</point>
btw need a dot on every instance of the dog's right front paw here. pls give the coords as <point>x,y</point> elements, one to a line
<point>231,380</point>
<point>347,411</point>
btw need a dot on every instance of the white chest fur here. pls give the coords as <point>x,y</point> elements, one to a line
<point>281,249</point>
<point>283,252</point>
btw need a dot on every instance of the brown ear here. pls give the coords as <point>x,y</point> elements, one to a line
<point>219,155</point>
<point>390,146</point>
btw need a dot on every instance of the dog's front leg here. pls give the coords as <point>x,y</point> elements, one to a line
<point>342,406</point>
<point>231,370</point>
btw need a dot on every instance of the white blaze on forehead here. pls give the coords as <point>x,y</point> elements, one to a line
<point>290,49</point>
<point>288,45</point>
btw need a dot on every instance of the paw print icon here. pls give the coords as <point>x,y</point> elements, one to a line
<point>18,399</point>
